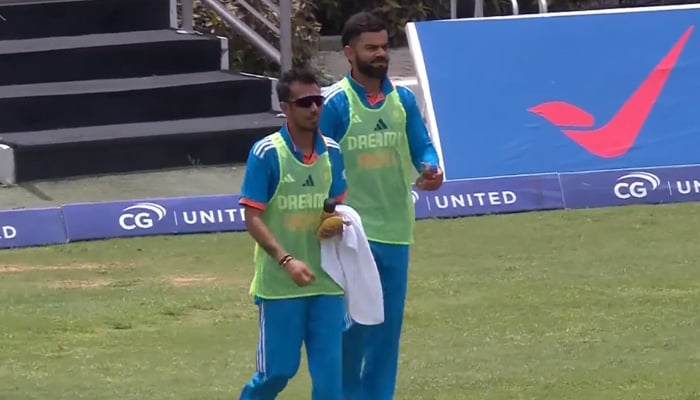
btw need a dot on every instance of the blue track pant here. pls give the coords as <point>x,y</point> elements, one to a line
<point>378,345</point>
<point>318,322</point>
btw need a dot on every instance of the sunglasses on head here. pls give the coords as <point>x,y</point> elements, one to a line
<point>306,102</point>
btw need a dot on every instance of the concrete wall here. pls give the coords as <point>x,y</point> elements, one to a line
<point>7,165</point>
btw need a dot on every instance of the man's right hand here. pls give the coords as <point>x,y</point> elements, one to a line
<point>300,273</point>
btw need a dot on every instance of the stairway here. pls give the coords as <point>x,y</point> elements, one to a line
<point>108,86</point>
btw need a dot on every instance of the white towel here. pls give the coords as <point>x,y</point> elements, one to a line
<point>349,261</point>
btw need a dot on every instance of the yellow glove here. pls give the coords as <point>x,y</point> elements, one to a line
<point>330,223</point>
<point>330,226</point>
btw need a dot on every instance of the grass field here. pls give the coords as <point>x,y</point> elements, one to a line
<point>591,304</point>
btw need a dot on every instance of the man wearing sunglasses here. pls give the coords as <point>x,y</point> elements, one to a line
<point>383,139</point>
<point>288,176</point>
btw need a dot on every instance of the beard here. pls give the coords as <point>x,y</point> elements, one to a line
<point>308,124</point>
<point>373,71</point>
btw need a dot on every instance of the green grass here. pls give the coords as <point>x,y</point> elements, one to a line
<point>591,304</point>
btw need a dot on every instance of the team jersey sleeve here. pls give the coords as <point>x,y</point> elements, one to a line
<point>335,116</point>
<point>419,143</point>
<point>339,185</point>
<point>260,178</point>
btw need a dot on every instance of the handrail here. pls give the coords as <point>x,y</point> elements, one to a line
<point>259,16</point>
<point>188,15</point>
<point>542,5</point>
<point>272,6</point>
<point>285,21</point>
<point>243,29</point>
<point>478,8</point>
<point>514,5</point>
<point>282,57</point>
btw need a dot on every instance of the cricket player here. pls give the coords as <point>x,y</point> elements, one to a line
<point>383,138</point>
<point>288,176</point>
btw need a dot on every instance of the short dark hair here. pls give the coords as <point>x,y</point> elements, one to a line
<point>301,75</point>
<point>360,23</point>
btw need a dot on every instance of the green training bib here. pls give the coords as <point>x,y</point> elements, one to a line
<point>293,216</point>
<point>379,169</point>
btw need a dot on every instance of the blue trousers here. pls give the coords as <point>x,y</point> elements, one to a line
<point>318,322</point>
<point>378,345</point>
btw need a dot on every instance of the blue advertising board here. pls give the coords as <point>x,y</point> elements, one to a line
<point>195,214</point>
<point>636,186</point>
<point>456,198</point>
<point>565,92</point>
<point>489,196</point>
<point>31,227</point>
<point>222,213</point>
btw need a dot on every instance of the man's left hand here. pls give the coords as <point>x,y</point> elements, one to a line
<point>431,181</point>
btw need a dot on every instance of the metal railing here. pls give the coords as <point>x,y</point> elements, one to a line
<point>479,7</point>
<point>514,5</point>
<point>283,56</point>
<point>542,4</point>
